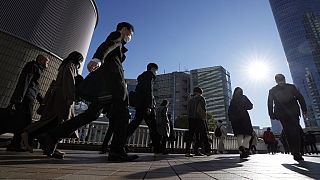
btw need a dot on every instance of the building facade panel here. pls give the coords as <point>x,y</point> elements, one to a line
<point>216,85</point>
<point>53,28</point>
<point>298,23</point>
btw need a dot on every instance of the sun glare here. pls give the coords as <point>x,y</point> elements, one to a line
<point>258,70</point>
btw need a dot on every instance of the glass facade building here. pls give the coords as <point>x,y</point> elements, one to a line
<point>216,84</point>
<point>298,23</point>
<point>175,88</point>
<point>53,28</point>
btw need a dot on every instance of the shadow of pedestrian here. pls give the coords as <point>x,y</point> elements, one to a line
<point>307,168</point>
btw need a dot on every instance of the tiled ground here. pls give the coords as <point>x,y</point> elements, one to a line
<point>85,165</point>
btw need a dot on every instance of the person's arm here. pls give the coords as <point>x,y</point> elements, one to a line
<point>247,102</point>
<point>23,84</point>
<point>300,99</point>
<point>270,105</point>
<point>112,42</point>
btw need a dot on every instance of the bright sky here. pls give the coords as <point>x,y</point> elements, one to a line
<point>241,36</point>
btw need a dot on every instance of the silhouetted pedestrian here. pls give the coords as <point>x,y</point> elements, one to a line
<point>197,123</point>
<point>104,86</point>
<point>58,103</point>
<point>283,105</point>
<point>163,126</point>
<point>24,96</point>
<point>270,140</point>
<point>240,120</point>
<point>145,106</point>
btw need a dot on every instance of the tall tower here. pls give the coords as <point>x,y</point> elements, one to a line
<point>53,28</point>
<point>216,85</point>
<point>298,23</point>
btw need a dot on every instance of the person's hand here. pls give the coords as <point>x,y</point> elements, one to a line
<point>93,65</point>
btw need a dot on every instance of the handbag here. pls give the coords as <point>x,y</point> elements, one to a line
<point>94,88</point>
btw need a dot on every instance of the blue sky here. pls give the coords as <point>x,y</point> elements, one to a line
<point>189,34</point>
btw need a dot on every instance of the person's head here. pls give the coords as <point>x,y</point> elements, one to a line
<point>237,92</point>
<point>220,121</point>
<point>268,129</point>
<point>44,61</point>
<point>197,91</point>
<point>164,102</point>
<point>280,79</point>
<point>126,30</point>
<point>75,57</point>
<point>153,67</point>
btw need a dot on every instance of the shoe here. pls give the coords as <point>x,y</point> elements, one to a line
<point>56,155</point>
<point>188,155</point>
<point>298,158</point>
<point>48,144</point>
<point>127,149</point>
<point>25,142</point>
<point>198,154</point>
<point>121,157</point>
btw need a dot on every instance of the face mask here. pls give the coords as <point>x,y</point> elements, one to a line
<point>127,39</point>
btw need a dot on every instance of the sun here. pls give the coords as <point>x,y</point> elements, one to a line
<point>258,70</point>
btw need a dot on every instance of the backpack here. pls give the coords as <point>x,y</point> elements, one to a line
<point>217,132</point>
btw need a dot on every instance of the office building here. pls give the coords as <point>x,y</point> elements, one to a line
<point>175,88</point>
<point>53,28</point>
<point>216,85</point>
<point>298,23</point>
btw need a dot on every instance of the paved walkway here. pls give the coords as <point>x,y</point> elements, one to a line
<point>86,165</point>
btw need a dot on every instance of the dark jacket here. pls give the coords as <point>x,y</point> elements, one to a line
<point>28,83</point>
<point>107,82</point>
<point>283,102</point>
<point>197,107</point>
<point>239,116</point>
<point>144,90</point>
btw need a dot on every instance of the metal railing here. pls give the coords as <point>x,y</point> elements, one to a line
<point>94,133</point>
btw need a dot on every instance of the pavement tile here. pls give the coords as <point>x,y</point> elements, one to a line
<point>91,165</point>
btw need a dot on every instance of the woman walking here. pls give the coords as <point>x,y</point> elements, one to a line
<point>240,120</point>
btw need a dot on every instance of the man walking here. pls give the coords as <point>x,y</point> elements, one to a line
<point>145,105</point>
<point>24,96</point>
<point>197,123</point>
<point>283,105</point>
<point>106,88</point>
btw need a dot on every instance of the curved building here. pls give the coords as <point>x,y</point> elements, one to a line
<point>53,28</point>
<point>298,23</point>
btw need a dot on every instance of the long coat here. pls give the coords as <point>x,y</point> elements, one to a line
<point>163,124</point>
<point>110,76</point>
<point>61,96</point>
<point>239,116</point>
<point>58,103</point>
<point>28,85</point>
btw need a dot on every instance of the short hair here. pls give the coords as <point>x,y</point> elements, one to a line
<point>164,102</point>
<point>280,78</point>
<point>268,129</point>
<point>40,57</point>
<point>152,65</point>
<point>220,121</point>
<point>126,25</point>
<point>198,90</point>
